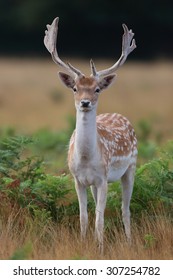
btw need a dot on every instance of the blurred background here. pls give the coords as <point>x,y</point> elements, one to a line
<point>87,28</point>
<point>31,95</point>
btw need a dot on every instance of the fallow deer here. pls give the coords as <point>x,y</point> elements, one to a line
<point>102,148</point>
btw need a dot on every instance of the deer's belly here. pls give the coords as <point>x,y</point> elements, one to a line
<point>116,174</point>
<point>94,172</point>
<point>117,168</point>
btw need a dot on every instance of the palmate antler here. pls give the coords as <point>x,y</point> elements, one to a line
<point>128,45</point>
<point>50,40</point>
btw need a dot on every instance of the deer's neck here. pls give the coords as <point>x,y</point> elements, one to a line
<point>86,135</point>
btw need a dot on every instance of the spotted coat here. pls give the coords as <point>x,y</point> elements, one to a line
<point>117,142</point>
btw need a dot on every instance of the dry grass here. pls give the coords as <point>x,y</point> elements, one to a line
<point>152,239</point>
<point>32,96</point>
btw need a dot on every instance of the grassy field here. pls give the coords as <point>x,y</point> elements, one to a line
<point>151,240</point>
<point>39,216</point>
<point>32,96</point>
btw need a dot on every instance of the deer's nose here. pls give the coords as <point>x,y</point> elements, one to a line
<point>85,103</point>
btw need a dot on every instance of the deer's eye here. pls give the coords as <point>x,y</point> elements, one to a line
<point>74,89</point>
<point>97,90</point>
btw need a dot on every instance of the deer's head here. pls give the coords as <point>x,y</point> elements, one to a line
<point>87,89</point>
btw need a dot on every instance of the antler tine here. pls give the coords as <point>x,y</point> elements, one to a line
<point>93,68</point>
<point>50,40</point>
<point>128,45</point>
<point>75,70</point>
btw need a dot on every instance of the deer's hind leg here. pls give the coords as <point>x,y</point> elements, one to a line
<point>127,188</point>
<point>94,193</point>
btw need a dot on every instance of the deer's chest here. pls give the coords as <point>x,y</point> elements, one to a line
<point>87,171</point>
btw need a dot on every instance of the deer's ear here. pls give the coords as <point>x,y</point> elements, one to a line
<point>67,80</point>
<point>106,81</point>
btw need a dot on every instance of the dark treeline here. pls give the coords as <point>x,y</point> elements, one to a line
<point>88,28</point>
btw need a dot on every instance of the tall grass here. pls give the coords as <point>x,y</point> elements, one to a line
<point>39,216</point>
<point>152,239</point>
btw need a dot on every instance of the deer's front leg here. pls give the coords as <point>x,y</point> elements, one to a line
<point>82,198</point>
<point>100,208</point>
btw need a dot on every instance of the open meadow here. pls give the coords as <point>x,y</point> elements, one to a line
<point>32,96</point>
<point>39,217</point>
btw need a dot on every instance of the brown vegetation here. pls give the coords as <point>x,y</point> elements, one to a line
<point>32,96</point>
<point>152,239</point>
